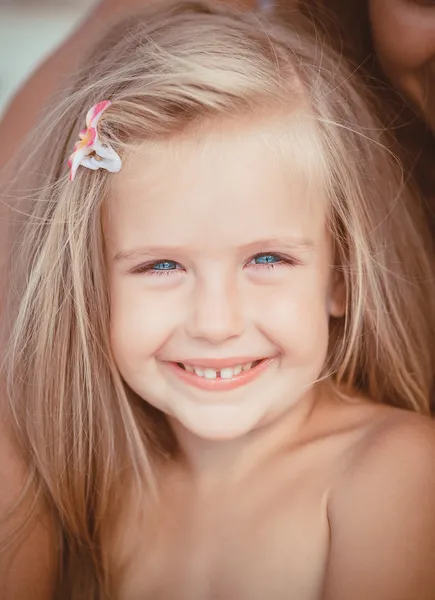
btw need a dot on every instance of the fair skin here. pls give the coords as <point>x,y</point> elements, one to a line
<point>202,305</point>
<point>282,488</point>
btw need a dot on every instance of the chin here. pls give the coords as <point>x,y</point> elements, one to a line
<point>219,423</point>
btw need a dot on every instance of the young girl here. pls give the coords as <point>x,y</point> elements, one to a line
<point>218,313</point>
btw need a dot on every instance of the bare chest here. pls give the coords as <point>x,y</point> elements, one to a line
<point>252,544</point>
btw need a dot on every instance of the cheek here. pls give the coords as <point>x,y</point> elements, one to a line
<point>297,318</point>
<point>140,321</point>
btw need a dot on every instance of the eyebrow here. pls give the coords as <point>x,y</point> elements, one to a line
<point>289,244</point>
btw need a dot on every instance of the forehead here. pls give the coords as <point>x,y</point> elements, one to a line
<point>222,185</point>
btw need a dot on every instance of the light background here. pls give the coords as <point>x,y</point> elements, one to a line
<point>29,30</point>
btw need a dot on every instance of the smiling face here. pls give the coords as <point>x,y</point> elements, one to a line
<point>220,279</point>
<point>404,39</point>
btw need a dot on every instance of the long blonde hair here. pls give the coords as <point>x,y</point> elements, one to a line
<point>81,432</point>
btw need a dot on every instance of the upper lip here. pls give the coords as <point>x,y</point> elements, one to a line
<point>220,363</point>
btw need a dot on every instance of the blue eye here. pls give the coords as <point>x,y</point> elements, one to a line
<point>164,265</point>
<point>271,260</point>
<point>267,259</point>
<point>160,267</point>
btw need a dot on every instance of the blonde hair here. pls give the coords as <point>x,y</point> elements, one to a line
<point>81,431</point>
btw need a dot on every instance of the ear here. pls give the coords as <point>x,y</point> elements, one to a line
<point>337,295</point>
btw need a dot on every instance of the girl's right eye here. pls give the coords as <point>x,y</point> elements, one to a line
<point>160,267</point>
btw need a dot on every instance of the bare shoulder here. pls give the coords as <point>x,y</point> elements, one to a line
<point>27,556</point>
<point>392,443</point>
<point>392,440</point>
<point>382,511</point>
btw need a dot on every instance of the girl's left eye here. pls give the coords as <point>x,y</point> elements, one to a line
<point>161,267</point>
<point>270,260</point>
<point>164,265</point>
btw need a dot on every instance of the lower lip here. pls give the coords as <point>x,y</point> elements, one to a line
<point>219,384</point>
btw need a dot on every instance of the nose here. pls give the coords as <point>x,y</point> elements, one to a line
<point>217,312</point>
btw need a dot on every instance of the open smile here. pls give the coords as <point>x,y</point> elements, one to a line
<point>219,375</point>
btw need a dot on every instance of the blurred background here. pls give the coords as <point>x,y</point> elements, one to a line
<point>29,30</point>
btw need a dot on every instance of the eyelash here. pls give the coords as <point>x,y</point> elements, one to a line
<point>282,261</point>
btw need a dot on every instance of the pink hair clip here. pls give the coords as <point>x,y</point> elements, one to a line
<point>89,152</point>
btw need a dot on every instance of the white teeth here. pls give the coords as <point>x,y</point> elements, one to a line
<point>227,373</point>
<point>210,373</point>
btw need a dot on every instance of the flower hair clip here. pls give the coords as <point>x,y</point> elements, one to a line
<point>89,152</point>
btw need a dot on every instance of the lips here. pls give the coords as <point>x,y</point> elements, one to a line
<point>219,375</point>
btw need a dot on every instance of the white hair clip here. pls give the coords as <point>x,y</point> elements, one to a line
<point>89,152</point>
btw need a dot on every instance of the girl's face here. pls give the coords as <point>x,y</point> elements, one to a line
<point>218,257</point>
<point>404,38</point>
